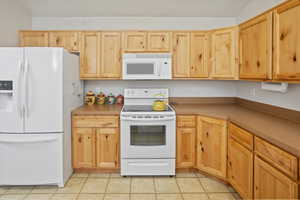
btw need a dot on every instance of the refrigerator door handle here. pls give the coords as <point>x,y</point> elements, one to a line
<point>20,84</point>
<point>28,140</point>
<point>26,85</point>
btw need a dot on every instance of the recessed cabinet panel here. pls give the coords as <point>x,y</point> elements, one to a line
<point>185,147</point>
<point>34,39</point>
<point>67,39</point>
<point>134,41</point>
<point>181,55</point>
<point>159,41</point>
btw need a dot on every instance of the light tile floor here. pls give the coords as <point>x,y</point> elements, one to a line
<point>111,186</point>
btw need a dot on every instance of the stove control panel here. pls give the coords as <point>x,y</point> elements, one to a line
<point>146,93</point>
<point>148,117</point>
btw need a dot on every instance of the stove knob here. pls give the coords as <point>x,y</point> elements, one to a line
<point>161,117</point>
<point>140,116</point>
<point>148,116</point>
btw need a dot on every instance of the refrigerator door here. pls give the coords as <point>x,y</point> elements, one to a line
<point>31,159</point>
<point>43,90</point>
<point>11,76</point>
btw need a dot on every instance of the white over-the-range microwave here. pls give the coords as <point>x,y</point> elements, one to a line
<point>147,66</point>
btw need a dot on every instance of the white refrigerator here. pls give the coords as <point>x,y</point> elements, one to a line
<point>39,86</point>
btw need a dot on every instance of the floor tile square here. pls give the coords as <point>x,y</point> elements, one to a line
<point>118,185</point>
<point>116,197</point>
<point>142,197</point>
<point>99,175</point>
<point>12,197</point>
<point>142,185</point>
<point>3,190</point>
<point>116,175</point>
<point>189,185</point>
<point>200,175</point>
<point>221,196</point>
<point>38,197</point>
<point>64,197</point>
<point>169,197</point>
<point>80,175</point>
<point>19,190</point>
<point>74,185</point>
<point>44,189</point>
<point>186,175</point>
<point>94,185</point>
<point>211,185</point>
<point>195,196</point>
<point>166,185</point>
<point>90,197</point>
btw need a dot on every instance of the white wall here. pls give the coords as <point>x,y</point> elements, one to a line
<point>291,99</point>
<point>137,23</point>
<point>177,88</point>
<point>14,15</point>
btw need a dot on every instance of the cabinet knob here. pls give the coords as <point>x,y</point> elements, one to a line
<point>200,57</point>
<point>106,136</point>
<point>79,139</point>
<point>163,39</point>
<point>207,134</point>
<point>202,149</point>
<point>295,58</point>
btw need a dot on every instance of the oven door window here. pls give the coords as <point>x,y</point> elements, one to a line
<point>148,135</point>
<point>141,68</point>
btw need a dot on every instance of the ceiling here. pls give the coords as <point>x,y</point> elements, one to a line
<point>136,8</point>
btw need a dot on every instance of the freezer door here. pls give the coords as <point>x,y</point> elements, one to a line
<point>43,90</point>
<point>11,75</point>
<point>31,159</point>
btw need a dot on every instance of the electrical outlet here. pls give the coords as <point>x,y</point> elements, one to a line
<point>253,92</point>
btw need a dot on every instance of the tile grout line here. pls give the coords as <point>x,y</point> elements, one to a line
<point>130,185</point>
<point>178,187</point>
<point>155,192</point>
<point>205,192</point>
<point>106,186</point>
<point>86,179</point>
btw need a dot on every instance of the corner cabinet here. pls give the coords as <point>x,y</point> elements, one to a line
<point>212,146</point>
<point>67,39</point>
<point>224,53</point>
<point>287,41</point>
<point>256,48</point>
<point>95,142</point>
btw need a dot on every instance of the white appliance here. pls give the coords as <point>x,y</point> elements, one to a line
<point>148,138</point>
<point>38,89</point>
<point>147,66</point>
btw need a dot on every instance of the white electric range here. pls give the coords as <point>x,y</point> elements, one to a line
<point>148,138</point>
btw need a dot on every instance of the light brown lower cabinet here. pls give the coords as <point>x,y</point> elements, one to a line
<point>240,168</point>
<point>269,183</point>
<point>185,147</point>
<point>212,146</point>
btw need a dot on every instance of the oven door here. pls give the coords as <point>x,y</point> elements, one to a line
<point>148,139</point>
<point>140,69</point>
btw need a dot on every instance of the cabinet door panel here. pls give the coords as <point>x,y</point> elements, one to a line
<point>240,169</point>
<point>181,55</point>
<point>90,55</point>
<point>107,150</point>
<point>199,53</point>
<point>83,148</point>
<point>212,146</point>
<point>224,54</point>
<point>185,147</point>
<point>134,41</point>
<point>269,183</point>
<point>287,42</point>
<point>159,41</point>
<point>34,39</point>
<point>67,39</point>
<point>111,55</point>
<point>256,48</point>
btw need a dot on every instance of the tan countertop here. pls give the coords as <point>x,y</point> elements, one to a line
<point>283,133</point>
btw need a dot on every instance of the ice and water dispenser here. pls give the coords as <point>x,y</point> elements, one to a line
<point>6,96</point>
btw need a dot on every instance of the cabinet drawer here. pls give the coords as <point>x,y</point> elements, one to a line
<point>243,137</point>
<point>282,160</point>
<point>96,121</point>
<point>106,131</point>
<point>186,121</point>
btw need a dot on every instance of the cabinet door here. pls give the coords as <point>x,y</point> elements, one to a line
<point>269,183</point>
<point>224,62</point>
<point>107,148</point>
<point>34,38</point>
<point>287,42</point>
<point>212,146</point>
<point>134,41</point>
<point>240,169</point>
<point>90,54</point>
<point>111,55</point>
<point>181,55</point>
<point>159,41</point>
<point>83,148</point>
<point>185,147</point>
<point>67,39</point>
<point>199,53</point>
<point>256,48</point>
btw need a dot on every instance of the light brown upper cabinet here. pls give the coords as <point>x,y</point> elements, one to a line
<point>287,41</point>
<point>256,48</point>
<point>67,39</point>
<point>90,55</point>
<point>110,55</point>
<point>158,41</point>
<point>212,146</point>
<point>181,54</point>
<point>199,55</point>
<point>134,41</point>
<point>34,38</point>
<point>224,56</point>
